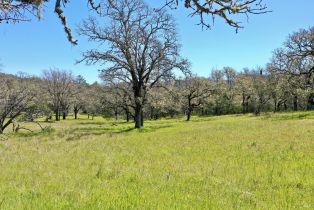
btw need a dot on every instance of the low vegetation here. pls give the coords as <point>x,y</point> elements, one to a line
<point>230,162</point>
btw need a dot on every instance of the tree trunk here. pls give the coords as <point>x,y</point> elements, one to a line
<point>1,127</point>
<point>279,106</point>
<point>116,114</point>
<point>4,125</point>
<point>127,114</point>
<point>57,114</point>
<point>142,118</point>
<point>275,105</point>
<point>138,107</point>
<point>75,112</point>
<point>138,120</point>
<point>64,115</point>
<point>257,109</point>
<point>138,115</point>
<point>243,103</point>
<point>75,115</point>
<point>189,111</point>
<point>285,105</point>
<point>246,107</point>
<point>295,103</point>
<point>151,112</point>
<point>188,116</point>
<point>260,106</point>
<point>247,98</point>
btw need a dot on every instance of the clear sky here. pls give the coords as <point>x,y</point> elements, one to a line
<point>33,46</point>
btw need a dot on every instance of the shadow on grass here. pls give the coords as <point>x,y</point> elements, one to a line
<point>78,136</point>
<point>202,118</point>
<point>36,133</point>
<point>147,129</point>
<point>79,133</point>
<point>91,123</point>
<point>290,116</point>
<point>103,123</point>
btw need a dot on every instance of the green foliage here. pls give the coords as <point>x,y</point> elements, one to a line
<point>228,162</point>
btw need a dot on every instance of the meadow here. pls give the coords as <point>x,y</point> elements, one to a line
<point>225,162</point>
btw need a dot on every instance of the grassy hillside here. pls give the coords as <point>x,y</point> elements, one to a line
<point>227,162</point>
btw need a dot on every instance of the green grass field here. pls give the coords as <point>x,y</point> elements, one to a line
<point>227,162</point>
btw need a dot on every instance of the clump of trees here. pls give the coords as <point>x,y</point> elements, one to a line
<point>294,62</point>
<point>60,87</point>
<point>25,98</point>
<point>193,92</point>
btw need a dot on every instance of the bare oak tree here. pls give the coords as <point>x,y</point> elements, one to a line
<point>15,96</point>
<point>295,60</point>
<point>59,85</point>
<point>194,92</point>
<point>244,87</point>
<point>296,57</point>
<point>80,89</point>
<point>141,47</point>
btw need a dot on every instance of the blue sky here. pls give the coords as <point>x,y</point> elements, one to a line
<point>33,46</point>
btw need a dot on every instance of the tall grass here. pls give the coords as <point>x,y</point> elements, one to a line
<point>229,162</point>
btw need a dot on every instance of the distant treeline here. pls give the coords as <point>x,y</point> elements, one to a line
<point>285,84</point>
<point>58,93</point>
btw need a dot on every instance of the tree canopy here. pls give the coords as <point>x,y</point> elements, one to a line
<point>12,11</point>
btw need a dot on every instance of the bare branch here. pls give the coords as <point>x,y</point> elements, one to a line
<point>225,9</point>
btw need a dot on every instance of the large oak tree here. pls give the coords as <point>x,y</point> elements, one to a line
<point>140,47</point>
